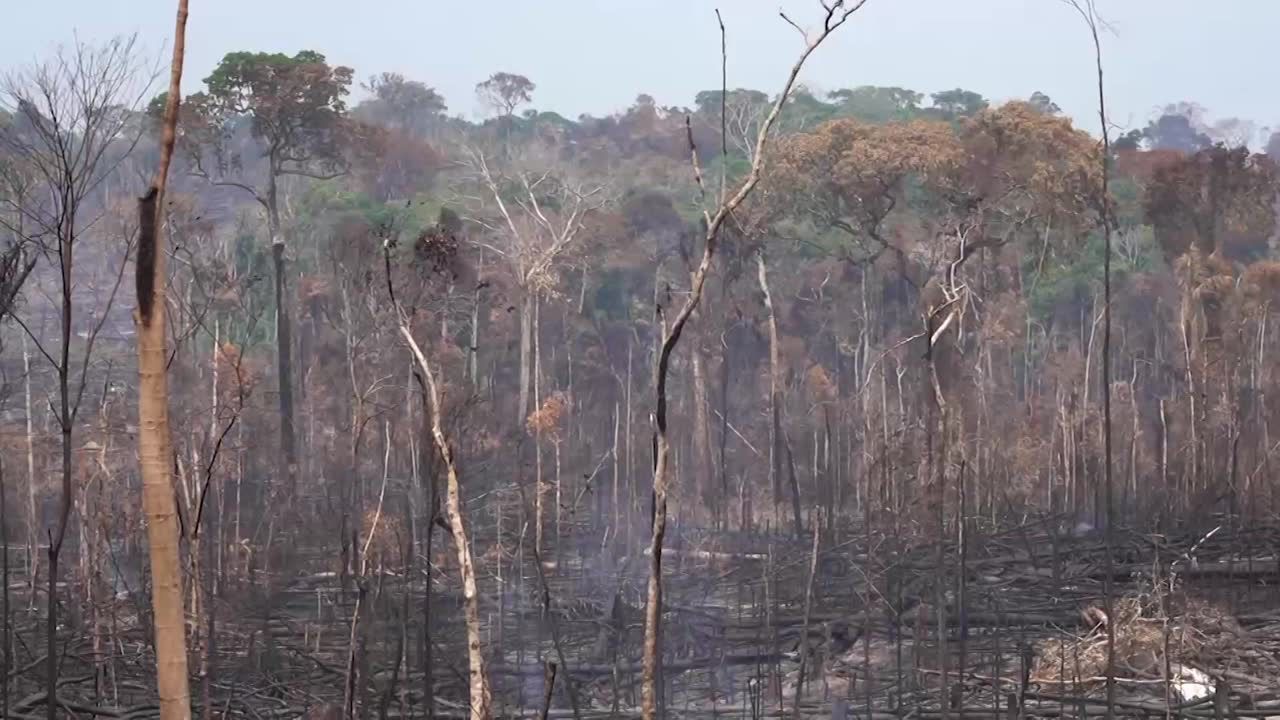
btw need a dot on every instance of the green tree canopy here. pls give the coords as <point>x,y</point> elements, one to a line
<point>875,104</point>
<point>957,103</point>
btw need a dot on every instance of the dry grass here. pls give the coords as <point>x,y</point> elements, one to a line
<point>1152,631</point>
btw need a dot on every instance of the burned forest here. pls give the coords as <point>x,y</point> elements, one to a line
<point>322,397</point>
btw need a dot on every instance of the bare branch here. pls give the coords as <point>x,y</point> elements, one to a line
<point>671,337</point>
<point>792,23</point>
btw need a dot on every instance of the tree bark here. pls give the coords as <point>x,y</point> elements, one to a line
<point>155,453</point>
<point>66,248</point>
<point>836,15</point>
<point>288,467</point>
<point>33,534</point>
<point>473,352</point>
<point>481,699</point>
<point>4,612</point>
<point>778,445</point>
<point>526,356</point>
<point>702,437</point>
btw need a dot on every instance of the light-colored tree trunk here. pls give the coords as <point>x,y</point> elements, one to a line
<point>627,437</point>
<point>539,484</point>
<point>526,356</point>
<point>33,520</point>
<point>481,698</point>
<point>775,431</point>
<point>154,450</point>
<point>617,473</point>
<point>473,352</point>
<point>778,443</point>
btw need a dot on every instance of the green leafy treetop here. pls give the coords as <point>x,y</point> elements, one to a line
<point>875,104</point>
<point>505,92</point>
<point>293,110</point>
<point>957,103</point>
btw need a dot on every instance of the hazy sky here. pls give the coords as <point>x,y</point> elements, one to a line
<point>596,55</point>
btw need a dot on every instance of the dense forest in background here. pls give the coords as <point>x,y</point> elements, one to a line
<point>898,349</point>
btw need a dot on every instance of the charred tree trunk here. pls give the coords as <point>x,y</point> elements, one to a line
<point>288,462</point>
<point>702,438</point>
<point>5,658</point>
<point>65,422</point>
<point>836,15</point>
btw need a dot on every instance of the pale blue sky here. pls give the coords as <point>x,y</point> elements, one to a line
<point>597,55</point>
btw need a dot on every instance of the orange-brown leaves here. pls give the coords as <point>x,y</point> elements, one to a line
<point>850,173</point>
<point>313,287</point>
<point>546,420</point>
<point>1261,281</point>
<point>1031,161</point>
<point>385,535</point>
<point>820,385</point>
<point>238,375</point>
<point>1013,163</point>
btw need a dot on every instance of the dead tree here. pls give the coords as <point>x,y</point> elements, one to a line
<point>835,15</point>
<point>1089,12</point>
<point>481,697</point>
<point>73,127</point>
<point>15,267</point>
<point>778,446</point>
<point>155,450</point>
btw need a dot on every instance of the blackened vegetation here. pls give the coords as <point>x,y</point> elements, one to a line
<point>15,266</point>
<point>436,250</point>
<point>435,254</point>
<point>146,271</point>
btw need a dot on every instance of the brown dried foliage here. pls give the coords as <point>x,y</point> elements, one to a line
<point>546,420</point>
<point>1198,632</point>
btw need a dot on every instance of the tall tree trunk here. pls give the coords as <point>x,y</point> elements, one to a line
<point>155,454</point>
<point>935,454</point>
<point>1088,12</point>
<point>65,423</point>
<point>288,461</point>
<point>33,522</point>
<point>4,612</point>
<point>837,14</point>
<point>425,476</point>
<point>1109,514</point>
<point>778,444</point>
<point>65,258</point>
<point>722,471</point>
<point>539,487</point>
<point>481,699</point>
<point>473,352</point>
<point>702,438</point>
<point>526,356</point>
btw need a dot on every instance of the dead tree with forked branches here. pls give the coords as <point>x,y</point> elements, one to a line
<point>835,14</point>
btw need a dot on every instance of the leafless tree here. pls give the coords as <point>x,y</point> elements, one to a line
<point>155,445</point>
<point>75,120</point>
<point>834,15</point>
<point>536,233</point>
